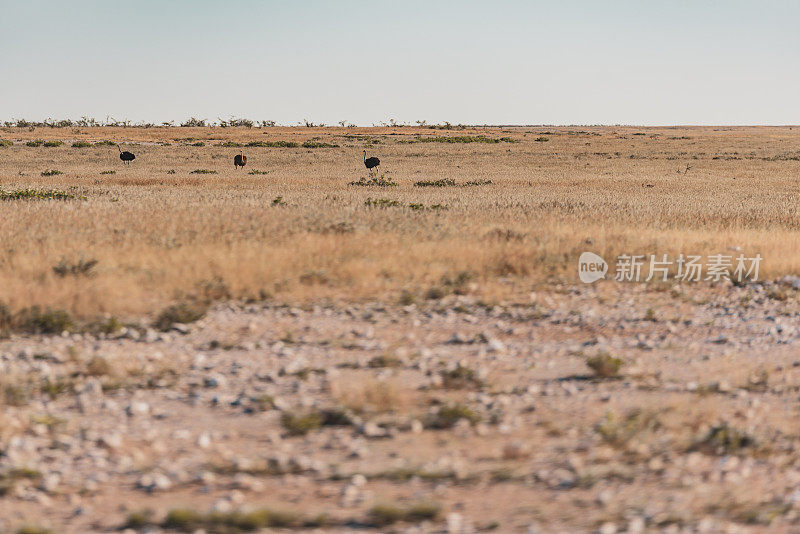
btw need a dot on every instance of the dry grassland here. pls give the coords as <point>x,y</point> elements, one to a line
<point>299,232</point>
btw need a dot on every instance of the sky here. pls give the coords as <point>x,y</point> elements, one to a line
<point>637,62</point>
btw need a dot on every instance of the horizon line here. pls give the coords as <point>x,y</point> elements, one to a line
<point>192,122</point>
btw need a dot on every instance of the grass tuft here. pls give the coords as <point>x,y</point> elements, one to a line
<point>604,365</point>
<point>385,514</point>
<point>724,439</point>
<point>300,424</point>
<point>447,416</point>
<point>183,312</point>
<point>80,268</point>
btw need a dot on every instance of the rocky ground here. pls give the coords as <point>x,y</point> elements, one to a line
<point>608,408</point>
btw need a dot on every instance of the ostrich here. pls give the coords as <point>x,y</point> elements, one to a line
<point>126,156</point>
<point>371,163</point>
<point>239,161</point>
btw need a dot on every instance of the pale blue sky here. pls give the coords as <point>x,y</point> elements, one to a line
<point>497,62</point>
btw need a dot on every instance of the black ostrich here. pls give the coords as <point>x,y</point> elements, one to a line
<point>371,163</point>
<point>126,156</point>
<point>239,161</point>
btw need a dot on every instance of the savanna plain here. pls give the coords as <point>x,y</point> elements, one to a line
<point>303,345</point>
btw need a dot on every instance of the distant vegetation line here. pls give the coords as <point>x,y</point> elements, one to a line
<point>233,122</point>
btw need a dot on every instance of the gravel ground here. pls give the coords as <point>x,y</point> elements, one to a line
<point>607,408</point>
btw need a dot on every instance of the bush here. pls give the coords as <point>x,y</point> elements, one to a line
<point>382,515</point>
<point>273,144</point>
<point>381,203</point>
<point>80,268</point>
<point>376,181</point>
<point>182,519</point>
<point>435,183</point>
<point>36,194</point>
<point>196,123</point>
<point>38,321</point>
<point>299,424</point>
<point>81,144</point>
<point>316,144</point>
<point>184,312</point>
<point>723,439</point>
<point>464,139</point>
<point>461,377</point>
<point>604,365</point>
<point>447,416</point>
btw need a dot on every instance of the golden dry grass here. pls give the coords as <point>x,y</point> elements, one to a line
<point>160,236</point>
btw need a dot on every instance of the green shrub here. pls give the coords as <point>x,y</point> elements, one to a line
<point>381,203</point>
<point>6,142</point>
<point>317,144</point>
<point>444,182</point>
<point>375,181</point>
<point>202,171</point>
<point>273,144</point>
<point>36,194</point>
<point>464,139</point>
<point>81,144</point>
